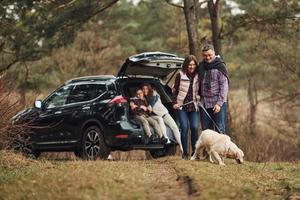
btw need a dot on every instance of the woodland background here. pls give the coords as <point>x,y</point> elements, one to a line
<point>44,43</point>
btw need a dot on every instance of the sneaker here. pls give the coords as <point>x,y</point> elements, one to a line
<point>185,157</point>
<point>154,139</point>
<point>110,157</point>
<point>164,140</point>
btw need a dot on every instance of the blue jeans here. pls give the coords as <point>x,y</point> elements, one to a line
<point>188,120</point>
<point>220,118</point>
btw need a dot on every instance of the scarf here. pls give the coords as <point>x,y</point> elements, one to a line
<point>205,70</point>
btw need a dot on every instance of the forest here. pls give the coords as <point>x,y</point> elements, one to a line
<point>45,43</point>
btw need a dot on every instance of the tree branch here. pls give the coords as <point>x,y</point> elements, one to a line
<point>273,97</point>
<point>174,4</point>
<point>102,9</point>
<point>66,4</point>
<point>2,69</point>
<point>248,21</point>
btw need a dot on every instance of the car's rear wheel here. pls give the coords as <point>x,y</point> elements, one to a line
<point>93,145</point>
<point>171,149</point>
<point>157,153</point>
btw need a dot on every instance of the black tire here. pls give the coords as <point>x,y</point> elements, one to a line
<point>170,149</point>
<point>157,153</point>
<point>23,145</point>
<point>93,145</point>
<point>77,153</point>
<point>35,153</point>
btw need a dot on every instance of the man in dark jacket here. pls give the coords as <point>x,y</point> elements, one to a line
<point>214,89</point>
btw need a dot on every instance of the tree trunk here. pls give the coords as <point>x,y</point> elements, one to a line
<point>191,26</point>
<point>214,10</point>
<point>252,98</point>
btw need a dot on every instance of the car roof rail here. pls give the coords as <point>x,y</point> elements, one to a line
<point>92,78</point>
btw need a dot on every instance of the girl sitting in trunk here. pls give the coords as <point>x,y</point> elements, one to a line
<point>141,111</point>
<point>161,114</point>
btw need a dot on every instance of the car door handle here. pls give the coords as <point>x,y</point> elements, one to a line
<point>86,108</point>
<point>58,112</point>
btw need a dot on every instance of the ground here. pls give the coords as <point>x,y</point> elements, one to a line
<point>164,178</point>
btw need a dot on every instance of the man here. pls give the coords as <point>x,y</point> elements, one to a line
<point>214,89</point>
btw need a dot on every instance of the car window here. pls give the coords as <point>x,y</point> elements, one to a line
<point>85,92</point>
<point>58,98</point>
<point>112,88</point>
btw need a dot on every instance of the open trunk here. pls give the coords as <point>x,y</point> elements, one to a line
<point>154,64</point>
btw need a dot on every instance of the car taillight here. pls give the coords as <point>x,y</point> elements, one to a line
<point>121,136</point>
<point>118,100</point>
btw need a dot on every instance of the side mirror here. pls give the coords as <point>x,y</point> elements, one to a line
<point>38,104</point>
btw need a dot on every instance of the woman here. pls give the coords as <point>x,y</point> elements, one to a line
<point>186,98</point>
<point>161,114</point>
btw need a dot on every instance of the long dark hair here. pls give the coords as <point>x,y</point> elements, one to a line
<point>150,93</point>
<point>187,61</point>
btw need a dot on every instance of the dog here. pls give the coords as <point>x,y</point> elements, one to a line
<point>218,147</point>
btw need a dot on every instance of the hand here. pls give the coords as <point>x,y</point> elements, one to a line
<point>216,108</point>
<point>173,90</point>
<point>132,106</point>
<point>176,106</point>
<point>150,109</point>
<point>197,98</point>
<point>143,107</point>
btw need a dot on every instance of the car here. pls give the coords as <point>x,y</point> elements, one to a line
<point>90,115</point>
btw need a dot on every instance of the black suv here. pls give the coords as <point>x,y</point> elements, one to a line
<point>90,115</point>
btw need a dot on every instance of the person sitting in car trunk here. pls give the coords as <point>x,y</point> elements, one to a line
<point>161,114</point>
<point>141,111</point>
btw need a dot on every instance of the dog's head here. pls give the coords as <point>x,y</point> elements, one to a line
<point>239,156</point>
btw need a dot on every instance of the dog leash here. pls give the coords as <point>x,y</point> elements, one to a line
<point>213,121</point>
<point>180,107</point>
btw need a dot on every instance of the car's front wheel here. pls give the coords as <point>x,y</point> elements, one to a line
<point>93,145</point>
<point>23,144</point>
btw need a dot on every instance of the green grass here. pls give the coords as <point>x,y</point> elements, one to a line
<point>22,178</point>
<point>247,181</point>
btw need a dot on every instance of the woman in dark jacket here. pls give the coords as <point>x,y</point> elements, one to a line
<point>186,98</point>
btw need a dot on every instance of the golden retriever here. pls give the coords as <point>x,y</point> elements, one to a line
<point>218,147</point>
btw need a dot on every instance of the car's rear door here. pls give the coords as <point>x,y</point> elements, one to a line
<point>82,103</point>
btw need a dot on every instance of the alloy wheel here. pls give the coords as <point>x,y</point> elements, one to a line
<point>92,144</point>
